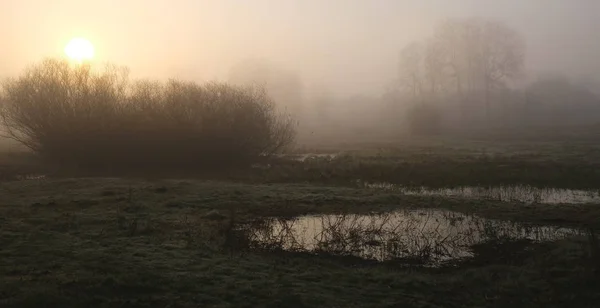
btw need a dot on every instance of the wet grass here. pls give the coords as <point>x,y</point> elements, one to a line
<point>143,242</point>
<point>436,172</point>
<point>101,242</point>
<point>443,164</point>
<point>429,163</point>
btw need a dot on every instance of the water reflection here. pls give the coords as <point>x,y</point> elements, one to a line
<point>423,236</point>
<point>525,194</point>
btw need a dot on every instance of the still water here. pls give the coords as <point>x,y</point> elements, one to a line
<point>428,235</point>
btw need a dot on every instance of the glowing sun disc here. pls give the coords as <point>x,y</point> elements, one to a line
<point>79,49</point>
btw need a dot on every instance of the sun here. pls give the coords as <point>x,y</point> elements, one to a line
<point>79,49</point>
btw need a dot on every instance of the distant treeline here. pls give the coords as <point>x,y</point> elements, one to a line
<point>466,80</point>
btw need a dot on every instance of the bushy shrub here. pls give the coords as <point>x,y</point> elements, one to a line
<point>74,114</point>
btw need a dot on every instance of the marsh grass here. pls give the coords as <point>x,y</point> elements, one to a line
<point>431,171</point>
<point>516,194</point>
<point>113,242</point>
<point>432,164</point>
<point>146,241</point>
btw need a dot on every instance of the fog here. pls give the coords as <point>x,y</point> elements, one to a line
<point>348,49</point>
<point>350,45</point>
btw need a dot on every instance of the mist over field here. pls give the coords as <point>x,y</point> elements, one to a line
<point>299,153</point>
<point>343,68</point>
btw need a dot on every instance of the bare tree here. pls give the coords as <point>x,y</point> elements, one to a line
<point>450,38</point>
<point>410,69</point>
<point>501,57</point>
<point>467,56</point>
<point>488,54</point>
<point>433,66</point>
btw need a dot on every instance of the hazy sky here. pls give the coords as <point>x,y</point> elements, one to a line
<point>349,45</point>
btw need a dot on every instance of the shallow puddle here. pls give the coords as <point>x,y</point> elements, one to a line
<point>427,237</point>
<point>525,194</point>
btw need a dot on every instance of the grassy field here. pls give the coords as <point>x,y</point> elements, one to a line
<point>445,164</point>
<point>436,164</point>
<point>154,242</point>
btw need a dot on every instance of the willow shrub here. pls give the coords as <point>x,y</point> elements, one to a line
<point>73,114</point>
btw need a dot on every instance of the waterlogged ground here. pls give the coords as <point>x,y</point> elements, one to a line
<point>542,165</point>
<point>425,236</point>
<point>301,233</point>
<point>525,194</point>
<point>110,242</point>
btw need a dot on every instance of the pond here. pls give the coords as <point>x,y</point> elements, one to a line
<point>426,236</point>
<point>526,194</point>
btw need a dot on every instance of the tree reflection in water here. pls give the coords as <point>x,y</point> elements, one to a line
<point>423,236</point>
